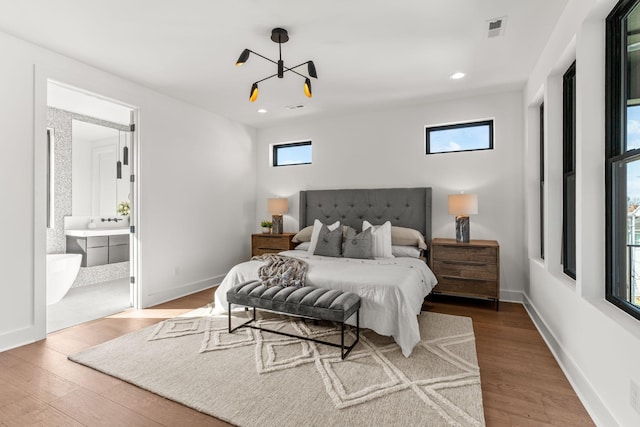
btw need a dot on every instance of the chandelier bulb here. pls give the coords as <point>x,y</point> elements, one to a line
<point>254,93</point>
<point>244,56</point>
<point>307,88</point>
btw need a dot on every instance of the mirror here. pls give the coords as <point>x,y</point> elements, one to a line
<point>95,151</point>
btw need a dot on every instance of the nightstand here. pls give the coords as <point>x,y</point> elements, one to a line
<point>467,269</point>
<point>264,243</point>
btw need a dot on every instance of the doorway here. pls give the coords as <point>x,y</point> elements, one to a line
<point>91,196</point>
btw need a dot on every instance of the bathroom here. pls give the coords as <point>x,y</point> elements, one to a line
<point>90,158</point>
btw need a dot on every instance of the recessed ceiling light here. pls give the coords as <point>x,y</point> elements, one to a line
<point>456,76</point>
<point>262,111</point>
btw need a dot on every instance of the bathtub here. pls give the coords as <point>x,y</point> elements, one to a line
<point>62,270</point>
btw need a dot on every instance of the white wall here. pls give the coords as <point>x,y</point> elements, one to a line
<point>196,178</point>
<point>386,149</point>
<point>596,344</point>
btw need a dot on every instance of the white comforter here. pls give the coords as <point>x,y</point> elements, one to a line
<point>392,290</point>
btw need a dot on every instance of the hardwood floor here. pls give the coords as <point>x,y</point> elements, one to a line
<point>522,385</point>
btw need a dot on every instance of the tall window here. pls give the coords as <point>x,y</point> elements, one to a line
<point>569,169</point>
<point>459,137</point>
<point>542,180</point>
<point>622,172</point>
<point>296,153</point>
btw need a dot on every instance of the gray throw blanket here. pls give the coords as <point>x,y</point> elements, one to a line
<point>282,270</point>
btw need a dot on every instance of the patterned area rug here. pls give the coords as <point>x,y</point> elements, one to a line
<point>256,378</point>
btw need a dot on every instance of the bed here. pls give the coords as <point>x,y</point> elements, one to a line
<point>391,289</point>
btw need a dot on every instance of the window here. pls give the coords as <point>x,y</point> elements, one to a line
<point>296,153</point>
<point>622,173</point>
<point>460,137</point>
<point>542,180</point>
<point>569,171</point>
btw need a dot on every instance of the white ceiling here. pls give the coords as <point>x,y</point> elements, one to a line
<point>368,53</point>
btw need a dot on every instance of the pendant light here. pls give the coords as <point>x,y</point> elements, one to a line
<point>125,151</point>
<point>279,35</point>
<point>119,163</point>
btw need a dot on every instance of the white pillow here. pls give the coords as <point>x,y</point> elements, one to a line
<point>317,225</point>
<point>405,251</point>
<point>304,246</point>
<point>381,239</point>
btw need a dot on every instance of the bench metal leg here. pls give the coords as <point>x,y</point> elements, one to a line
<point>243,324</point>
<point>343,354</point>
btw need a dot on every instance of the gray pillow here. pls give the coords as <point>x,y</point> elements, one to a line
<point>329,242</point>
<point>358,245</point>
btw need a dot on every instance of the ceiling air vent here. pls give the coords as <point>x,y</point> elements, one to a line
<point>496,27</point>
<point>294,107</point>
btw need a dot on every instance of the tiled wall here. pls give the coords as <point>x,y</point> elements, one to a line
<point>60,122</point>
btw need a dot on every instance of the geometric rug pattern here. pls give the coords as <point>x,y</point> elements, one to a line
<point>441,378</point>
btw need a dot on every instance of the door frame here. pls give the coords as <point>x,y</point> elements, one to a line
<point>100,89</point>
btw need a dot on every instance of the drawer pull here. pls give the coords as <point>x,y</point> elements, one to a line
<point>446,276</point>
<point>464,262</point>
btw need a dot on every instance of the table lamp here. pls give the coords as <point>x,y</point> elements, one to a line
<point>276,207</point>
<point>463,205</point>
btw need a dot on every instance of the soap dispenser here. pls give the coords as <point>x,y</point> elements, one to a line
<point>92,224</point>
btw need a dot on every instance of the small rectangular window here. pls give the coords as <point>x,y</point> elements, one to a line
<point>459,137</point>
<point>296,153</point>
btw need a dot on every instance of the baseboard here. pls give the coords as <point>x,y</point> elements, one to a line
<point>507,295</point>
<point>181,291</point>
<point>17,338</point>
<point>581,385</point>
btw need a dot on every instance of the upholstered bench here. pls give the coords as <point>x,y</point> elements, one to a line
<point>310,302</point>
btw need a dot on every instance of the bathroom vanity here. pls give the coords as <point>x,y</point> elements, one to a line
<point>99,246</point>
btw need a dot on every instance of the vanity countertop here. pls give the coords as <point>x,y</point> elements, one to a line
<point>91,232</point>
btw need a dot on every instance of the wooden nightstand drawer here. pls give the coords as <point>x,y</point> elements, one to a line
<point>262,251</point>
<point>471,270</point>
<point>465,253</point>
<point>466,287</point>
<point>271,243</point>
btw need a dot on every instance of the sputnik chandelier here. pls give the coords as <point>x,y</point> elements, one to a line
<point>279,35</point>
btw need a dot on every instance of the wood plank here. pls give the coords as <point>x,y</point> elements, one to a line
<point>31,411</point>
<point>92,409</point>
<point>36,382</point>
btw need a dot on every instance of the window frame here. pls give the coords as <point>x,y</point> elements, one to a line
<point>276,147</point>
<point>429,129</point>
<point>615,151</point>
<point>569,171</point>
<point>542,167</point>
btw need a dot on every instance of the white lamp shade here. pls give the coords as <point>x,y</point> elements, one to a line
<point>278,206</point>
<point>463,204</point>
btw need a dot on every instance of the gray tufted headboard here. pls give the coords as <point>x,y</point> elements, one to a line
<point>404,207</point>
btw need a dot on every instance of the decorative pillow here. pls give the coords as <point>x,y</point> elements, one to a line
<point>303,235</point>
<point>329,242</point>
<point>405,251</point>
<point>358,245</point>
<point>304,246</point>
<point>317,226</point>
<point>381,239</point>
<point>402,236</point>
